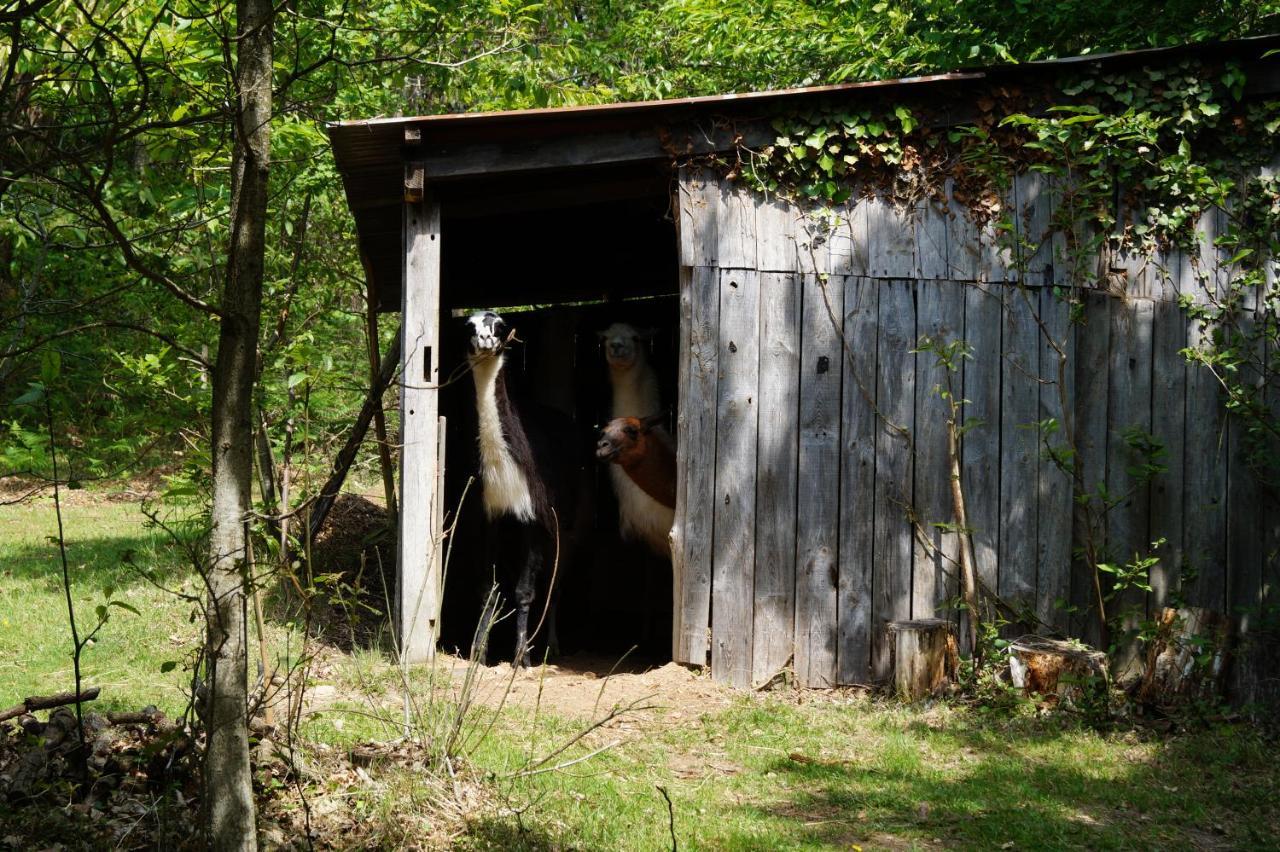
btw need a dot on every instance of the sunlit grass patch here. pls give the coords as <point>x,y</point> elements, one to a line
<point>108,548</point>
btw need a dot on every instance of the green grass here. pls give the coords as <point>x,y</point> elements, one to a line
<point>126,656</point>
<point>805,771</point>
<point>816,773</point>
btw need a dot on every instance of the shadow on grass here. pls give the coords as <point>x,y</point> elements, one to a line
<point>1208,790</point>
<point>492,832</point>
<point>99,560</point>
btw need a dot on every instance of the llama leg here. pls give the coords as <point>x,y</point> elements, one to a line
<point>525,588</point>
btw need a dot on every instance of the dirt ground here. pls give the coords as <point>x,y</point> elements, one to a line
<point>585,686</point>
<point>144,486</point>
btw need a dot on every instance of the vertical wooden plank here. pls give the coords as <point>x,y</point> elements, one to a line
<point>1205,504</point>
<point>961,239</point>
<point>733,545</point>
<point>895,392</point>
<point>678,535</point>
<point>775,236</point>
<point>858,428</point>
<point>818,516</point>
<point>814,230</point>
<point>935,573</point>
<point>891,239</point>
<point>849,238</point>
<point>997,243</point>
<point>975,252</point>
<point>417,599</point>
<point>1019,447</point>
<point>776,460</point>
<point>931,239</point>
<point>1093,348</point>
<point>698,194</point>
<point>696,425</point>
<point>1129,404</point>
<point>1053,525</point>
<point>736,226</point>
<point>437,558</point>
<point>1168,425</point>
<point>980,448</point>
<point>1267,673</point>
<point>1244,541</point>
<point>1041,245</point>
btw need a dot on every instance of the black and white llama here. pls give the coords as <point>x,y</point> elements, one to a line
<point>531,474</point>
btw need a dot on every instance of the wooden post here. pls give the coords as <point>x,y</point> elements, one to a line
<point>924,657</point>
<point>418,598</point>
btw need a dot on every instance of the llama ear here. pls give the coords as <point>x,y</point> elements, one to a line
<point>653,420</point>
<point>601,334</point>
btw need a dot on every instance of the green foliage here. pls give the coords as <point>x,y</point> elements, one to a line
<point>119,162</point>
<point>818,156</point>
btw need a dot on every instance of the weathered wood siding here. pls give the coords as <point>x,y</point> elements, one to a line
<point>815,496</point>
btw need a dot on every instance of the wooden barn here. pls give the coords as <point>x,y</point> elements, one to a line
<point>814,491</point>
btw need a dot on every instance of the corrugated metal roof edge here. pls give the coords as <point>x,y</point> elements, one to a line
<point>1259,43</point>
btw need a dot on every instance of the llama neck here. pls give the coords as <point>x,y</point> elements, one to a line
<point>635,390</point>
<point>653,471</point>
<point>506,489</point>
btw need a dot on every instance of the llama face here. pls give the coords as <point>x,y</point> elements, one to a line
<point>488,334</point>
<point>620,438</point>
<point>621,345</point>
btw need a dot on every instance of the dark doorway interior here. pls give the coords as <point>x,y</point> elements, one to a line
<point>559,276</point>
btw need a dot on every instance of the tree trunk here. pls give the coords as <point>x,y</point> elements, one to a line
<point>228,788</point>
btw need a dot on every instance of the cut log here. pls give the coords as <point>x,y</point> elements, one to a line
<point>46,702</point>
<point>924,657</point>
<point>1187,658</point>
<point>1061,671</point>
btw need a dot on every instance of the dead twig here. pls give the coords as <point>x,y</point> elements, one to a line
<point>671,816</point>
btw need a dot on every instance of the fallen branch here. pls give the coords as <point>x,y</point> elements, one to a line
<point>47,702</point>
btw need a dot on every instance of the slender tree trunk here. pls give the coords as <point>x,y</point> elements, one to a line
<point>229,807</point>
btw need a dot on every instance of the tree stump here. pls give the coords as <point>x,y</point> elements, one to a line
<point>1055,669</point>
<point>925,657</point>
<point>1187,658</point>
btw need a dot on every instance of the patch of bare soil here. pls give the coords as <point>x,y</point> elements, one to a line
<point>135,489</point>
<point>586,686</point>
<point>355,554</point>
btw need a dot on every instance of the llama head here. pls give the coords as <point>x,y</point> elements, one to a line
<point>625,439</point>
<point>488,335</point>
<point>622,345</point>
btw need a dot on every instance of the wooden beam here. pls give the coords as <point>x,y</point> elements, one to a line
<point>652,142</point>
<point>418,595</point>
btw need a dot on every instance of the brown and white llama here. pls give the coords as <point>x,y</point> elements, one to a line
<point>635,447</point>
<point>635,394</point>
<point>531,476</point>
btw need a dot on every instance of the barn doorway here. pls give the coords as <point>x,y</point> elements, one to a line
<point>559,275</point>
